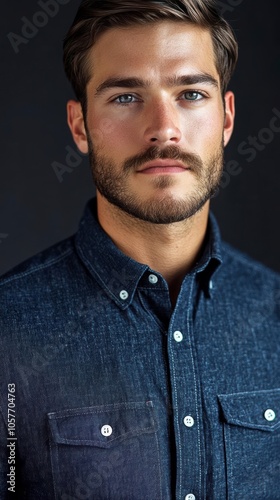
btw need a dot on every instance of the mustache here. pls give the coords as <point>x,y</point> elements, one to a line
<point>191,160</point>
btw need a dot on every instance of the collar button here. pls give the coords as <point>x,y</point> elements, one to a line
<point>124,295</point>
<point>153,279</point>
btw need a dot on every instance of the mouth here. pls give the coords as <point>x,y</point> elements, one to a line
<point>163,167</point>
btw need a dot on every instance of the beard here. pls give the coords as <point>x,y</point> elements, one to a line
<point>112,182</point>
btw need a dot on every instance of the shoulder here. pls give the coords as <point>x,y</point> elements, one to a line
<point>40,265</point>
<point>244,263</point>
<point>248,275</point>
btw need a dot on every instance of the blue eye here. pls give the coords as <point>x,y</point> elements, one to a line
<point>125,99</point>
<point>192,95</point>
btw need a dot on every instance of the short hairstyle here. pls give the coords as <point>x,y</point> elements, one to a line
<point>94,17</point>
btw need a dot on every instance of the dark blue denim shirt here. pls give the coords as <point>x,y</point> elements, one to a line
<point>117,396</point>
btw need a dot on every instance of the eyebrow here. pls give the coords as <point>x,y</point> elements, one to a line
<point>173,81</point>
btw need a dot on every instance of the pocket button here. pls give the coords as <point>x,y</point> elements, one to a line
<point>106,430</point>
<point>269,415</point>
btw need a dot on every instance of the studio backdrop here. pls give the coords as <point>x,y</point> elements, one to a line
<point>45,182</point>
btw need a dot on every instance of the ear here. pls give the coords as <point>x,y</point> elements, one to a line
<point>75,119</point>
<point>229,116</point>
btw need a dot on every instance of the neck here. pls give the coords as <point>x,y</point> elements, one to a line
<point>170,249</point>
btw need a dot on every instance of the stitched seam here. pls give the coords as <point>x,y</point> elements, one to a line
<point>159,466</point>
<point>118,438</point>
<point>78,411</point>
<point>254,426</point>
<point>195,390</point>
<point>177,416</point>
<point>38,268</point>
<point>252,393</point>
<point>55,451</point>
<point>246,260</point>
<point>144,288</point>
<point>112,295</point>
<point>230,467</point>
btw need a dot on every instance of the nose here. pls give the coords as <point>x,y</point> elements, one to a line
<point>162,124</point>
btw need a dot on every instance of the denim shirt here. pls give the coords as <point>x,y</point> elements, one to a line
<point>118,396</point>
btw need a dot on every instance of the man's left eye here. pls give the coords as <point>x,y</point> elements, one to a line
<point>125,99</point>
<point>193,96</point>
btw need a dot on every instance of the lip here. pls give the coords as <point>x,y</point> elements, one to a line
<point>163,167</point>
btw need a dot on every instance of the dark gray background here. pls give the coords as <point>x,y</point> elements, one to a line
<point>37,210</point>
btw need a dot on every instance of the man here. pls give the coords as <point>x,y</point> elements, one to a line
<point>141,356</point>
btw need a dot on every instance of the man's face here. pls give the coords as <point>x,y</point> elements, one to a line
<point>155,120</point>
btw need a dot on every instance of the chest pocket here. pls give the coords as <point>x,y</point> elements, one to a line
<point>252,443</point>
<point>105,452</point>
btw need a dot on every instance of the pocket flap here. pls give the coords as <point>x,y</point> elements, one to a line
<point>256,410</point>
<point>101,426</point>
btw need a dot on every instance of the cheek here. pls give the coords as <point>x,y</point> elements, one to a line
<point>110,134</point>
<point>207,130</point>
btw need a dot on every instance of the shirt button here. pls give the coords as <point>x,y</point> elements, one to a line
<point>106,430</point>
<point>188,421</point>
<point>153,279</point>
<point>178,336</point>
<point>124,295</point>
<point>190,496</point>
<point>269,415</point>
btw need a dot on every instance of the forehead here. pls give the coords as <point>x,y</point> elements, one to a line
<point>156,50</point>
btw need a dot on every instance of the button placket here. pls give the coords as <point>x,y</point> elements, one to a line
<point>185,389</point>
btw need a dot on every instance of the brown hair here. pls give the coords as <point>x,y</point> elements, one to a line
<point>94,17</point>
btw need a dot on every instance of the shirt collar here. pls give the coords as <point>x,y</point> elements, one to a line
<point>211,258</point>
<point>117,274</point>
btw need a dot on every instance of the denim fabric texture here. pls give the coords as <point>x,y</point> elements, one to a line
<point>120,397</point>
